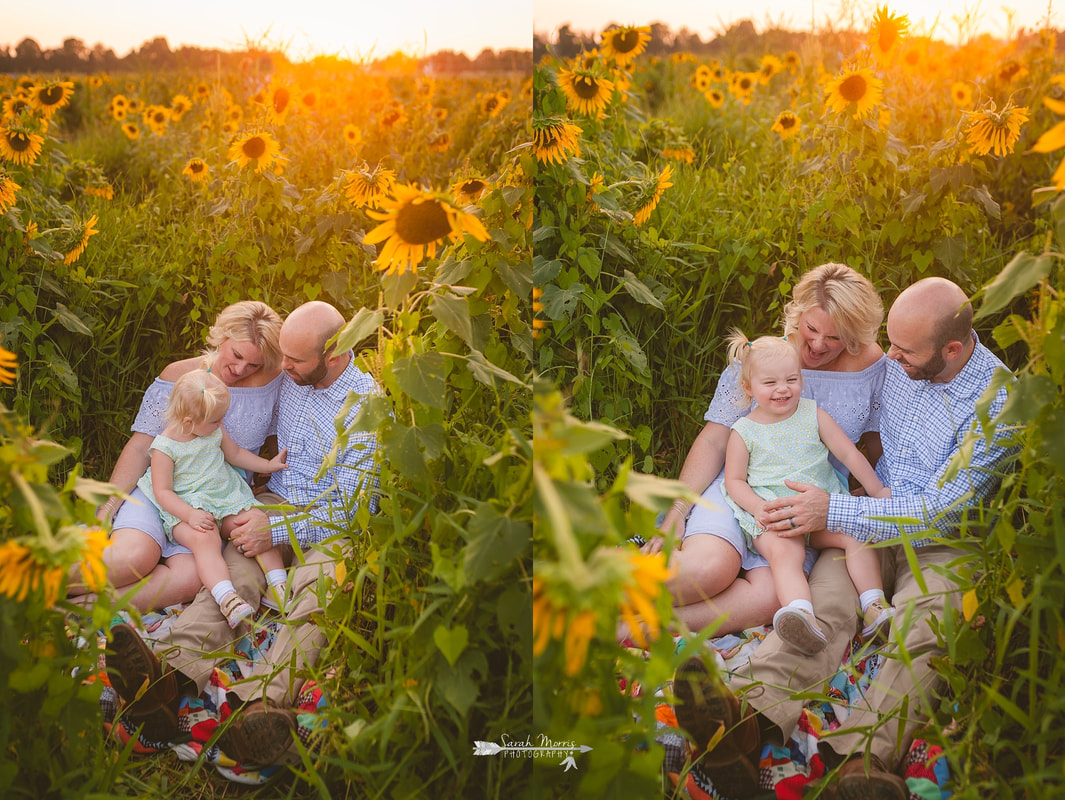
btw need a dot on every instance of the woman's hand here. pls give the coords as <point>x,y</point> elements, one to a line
<point>106,512</point>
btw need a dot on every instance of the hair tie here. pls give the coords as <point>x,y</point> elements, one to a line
<point>746,344</point>
<point>208,369</point>
<point>203,390</point>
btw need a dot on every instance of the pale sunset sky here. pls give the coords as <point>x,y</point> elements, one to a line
<point>351,28</point>
<point>711,17</point>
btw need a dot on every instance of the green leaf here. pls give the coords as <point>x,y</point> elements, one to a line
<point>950,250</point>
<point>69,320</point>
<point>486,372</point>
<point>396,287</point>
<point>453,312</point>
<point>631,350</point>
<point>495,541</point>
<point>1022,273</point>
<point>451,642</point>
<point>545,271</point>
<point>422,376</point>
<point>409,448</point>
<point>365,322</point>
<point>639,291</point>
<point>912,202</point>
<point>560,303</point>
<point>457,687</point>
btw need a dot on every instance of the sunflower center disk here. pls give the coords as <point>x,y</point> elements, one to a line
<point>280,100</point>
<point>626,41</point>
<point>586,88</point>
<point>422,222</point>
<point>254,147</point>
<point>18,142</point>
<point>853,88</point>
<point>51,95</point>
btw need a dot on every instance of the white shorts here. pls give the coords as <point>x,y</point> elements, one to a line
<point>719,521</point>
<point>140,514</point>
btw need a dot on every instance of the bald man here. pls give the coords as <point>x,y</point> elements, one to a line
<point>319,382</point>
<point>937,372</point>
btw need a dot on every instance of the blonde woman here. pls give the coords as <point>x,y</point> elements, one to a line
<point>243,351</point>
<point>833,319</point>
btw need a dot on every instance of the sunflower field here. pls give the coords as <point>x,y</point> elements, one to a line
<point>680,195</point>
<point>133,208</point>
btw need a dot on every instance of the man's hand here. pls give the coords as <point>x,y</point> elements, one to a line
<point>251,532</point>
<point>798,514</point>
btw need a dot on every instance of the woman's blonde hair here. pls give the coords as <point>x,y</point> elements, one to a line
<point>248,321</point>
<point>197,395</point>
<point>847,296</point>
<point>749,353</point>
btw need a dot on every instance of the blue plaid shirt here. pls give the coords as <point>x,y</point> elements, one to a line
<point>922,426</point>
<point>305,424</point>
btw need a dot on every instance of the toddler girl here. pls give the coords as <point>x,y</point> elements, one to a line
<point>788,436</point>
<point>191,481</point>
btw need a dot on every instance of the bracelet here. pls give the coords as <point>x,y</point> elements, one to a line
<point>682,507</point>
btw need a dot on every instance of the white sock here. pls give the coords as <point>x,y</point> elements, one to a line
<point>804,605</point>
<point>221,589</point>
<point>868,596</point>
<point>276,577</point>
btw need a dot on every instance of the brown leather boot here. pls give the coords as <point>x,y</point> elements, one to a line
<point>261,733</point>
<point>713,717</point>
<point>853,782</point>
<point>150,696</point>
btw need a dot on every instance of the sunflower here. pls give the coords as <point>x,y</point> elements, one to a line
<point>104,191</point>
<point>555,140</point>
<point>414,223</point>
<point>229,128</point>
<point>993,130</point>
<point>196,170</point>
<point>685,154</point>
<point>368,187</point>
<point>8,188</point>
<point>235,114</point>
<point>769,66</point>
<point>95,81</point>
<point>51,96</point>
<point>702,78</point>
<point>119,101</point>
<point>787,124</point>
<point>440,113</point>
<point>134,106</point>
<point>19,145</point>
<point>131,130</point>
<point>179,106</point>
<point>89,229</point>
<point>352,136</point>
<point>8,362</point>
<point>647,576</point>
<point>308,99</point>
<point>791,61</point>
<point>715,97</point>
<point>663,182</point>
<point>393,116</point>
<point>469,190</point>
<point>742,85</point>
<point>586,92</point>
<point>201,92</point>
<point>492,103</point>
<point>1011,72</point>
<point>278,103</point>
<point>157,118</point>
<point>14,105</point>
<point>119,113</point>
<point>886,32</point>
<point>260,149</point>
<point>440,143</point>
<point>962,94</point>
<point>855,87</point>
<point>625,43</point>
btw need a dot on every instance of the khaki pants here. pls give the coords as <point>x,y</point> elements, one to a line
<point>201,638</point>
<point>905,685</point>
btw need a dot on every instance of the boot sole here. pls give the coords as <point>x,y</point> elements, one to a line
<point>795,629</point>
<point>259,737</point>
<point>133,669</point>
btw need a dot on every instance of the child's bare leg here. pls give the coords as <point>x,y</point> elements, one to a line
<point>785,557</point>
<point>206,549</point>
<point>863,565</point>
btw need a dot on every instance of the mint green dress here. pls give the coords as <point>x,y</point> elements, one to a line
<point>792,449</point>
<point>202,478</point>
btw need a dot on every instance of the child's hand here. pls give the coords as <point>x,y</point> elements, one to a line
<point>761,517</point>
<point>277,463</point>
<point>201,520</point>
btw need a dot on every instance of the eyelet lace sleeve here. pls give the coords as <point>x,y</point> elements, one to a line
<point>150,419</point>
<point>729,403</point>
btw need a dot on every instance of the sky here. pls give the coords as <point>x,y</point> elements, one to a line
<point>711,17</point>
<point>352,28</point>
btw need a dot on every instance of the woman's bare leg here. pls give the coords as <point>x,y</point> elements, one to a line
<point>131,555</point>
<point>703,568</point>
<point>749,601</point>
<point>174,581</point>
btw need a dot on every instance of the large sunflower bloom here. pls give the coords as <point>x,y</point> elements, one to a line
<point>21,573</point>
<point>648,574</point>
<point>1054,139</point>
<point>625,43</point>
<point>414,223</point>
<point>368,186</point>
<point>555,140</point>
<point>586,92</point>
<point>662,183</point>
<point>8,189</point>
<point>93,570</point>
<point>51,96</point>
<point>857,88</point>
<point>787,124</point>
<point>196,170</point>
<point>886,32</point>
<point>8,362</point>
<point>75,252</point>
<point>995,131</point>
<point>259,149</point>
<point>19,145</point>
